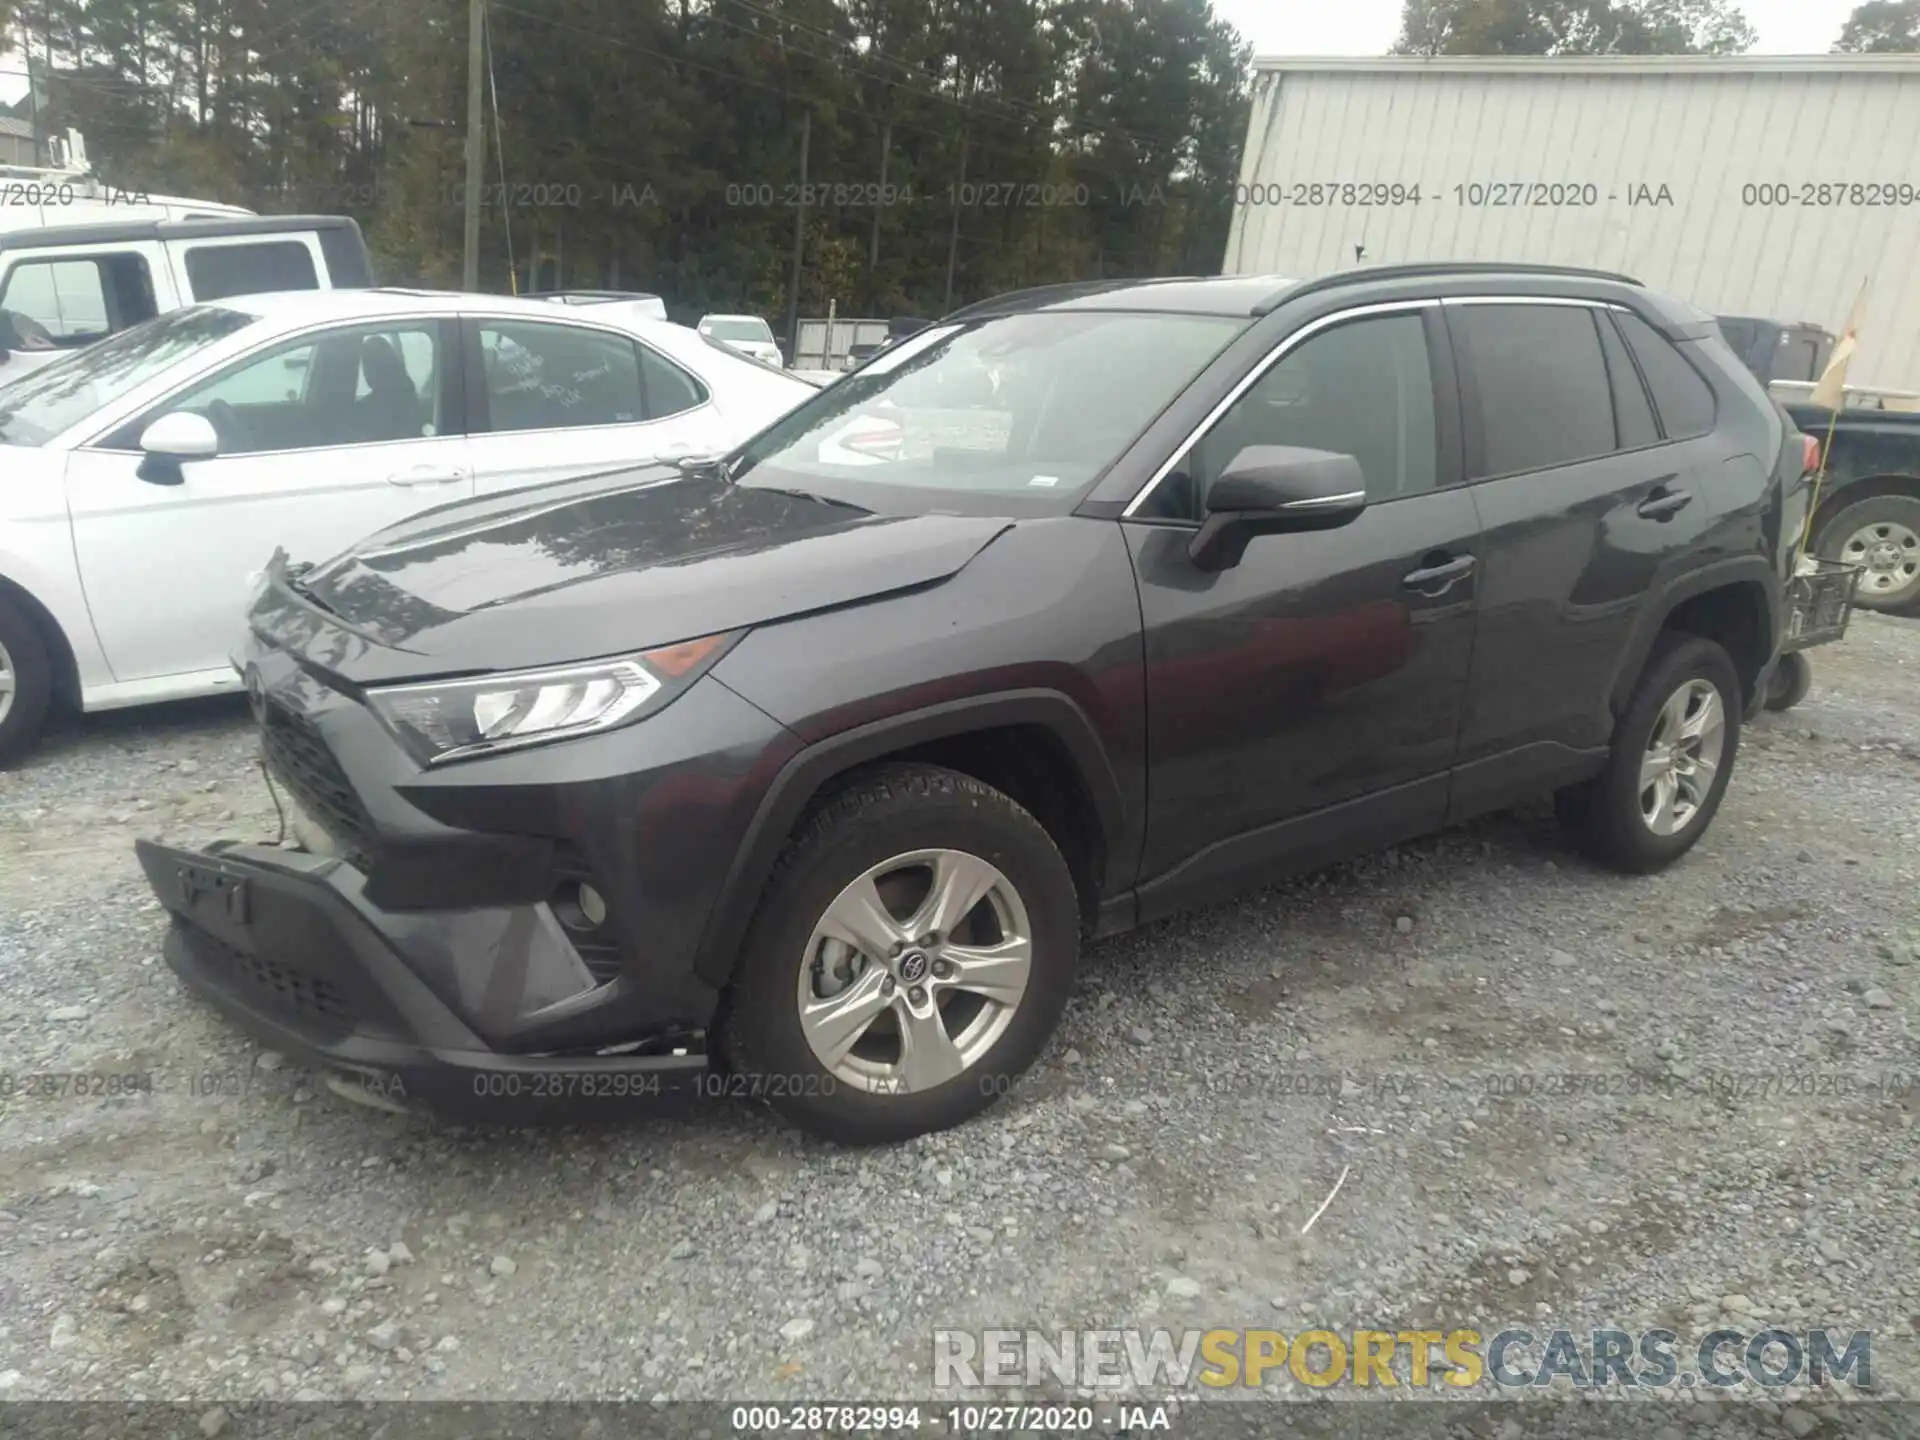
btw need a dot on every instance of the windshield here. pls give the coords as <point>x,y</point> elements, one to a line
<point>39,405</point>
<point>750,330</point>
<point>1034,406</point>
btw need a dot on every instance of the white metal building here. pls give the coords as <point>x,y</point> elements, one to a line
<point>1749,185</point>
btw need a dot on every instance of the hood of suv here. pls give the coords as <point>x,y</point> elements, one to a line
<point>597,567</point>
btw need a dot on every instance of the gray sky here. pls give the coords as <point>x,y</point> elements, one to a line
<point>1369,27</point>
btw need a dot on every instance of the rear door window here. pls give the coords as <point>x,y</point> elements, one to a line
<point>558,377</point>
<point>1538,382</point>
<point>562,377</point>
<point>215,272</point>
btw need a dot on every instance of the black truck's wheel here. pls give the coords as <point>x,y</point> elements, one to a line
<point>1882,537</point>
<point>911,955</point>
<point>26,682</point>
<point>1792,678</point>
<point>1673,751</point>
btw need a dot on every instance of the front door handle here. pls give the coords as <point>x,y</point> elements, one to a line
<point>1663,504</point>
<point>428,475</point>
<point>1438,578</point>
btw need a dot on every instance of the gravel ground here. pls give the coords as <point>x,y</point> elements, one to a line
<point>1215,1076</point>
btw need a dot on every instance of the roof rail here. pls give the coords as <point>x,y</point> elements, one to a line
<point>1439,267</point>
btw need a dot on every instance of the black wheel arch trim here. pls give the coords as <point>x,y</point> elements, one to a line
<point>1717,575</point>
<point>802,777</point>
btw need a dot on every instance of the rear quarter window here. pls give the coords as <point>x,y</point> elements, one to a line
<point>1683,399</point>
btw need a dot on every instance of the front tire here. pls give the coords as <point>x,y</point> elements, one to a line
<point>1882,537</point>
<point>1673,753</point>
<point>26,682</point>
<point>910,957</point>
<point>1792,679</point>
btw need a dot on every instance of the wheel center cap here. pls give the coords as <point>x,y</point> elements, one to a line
<point>912,967</point>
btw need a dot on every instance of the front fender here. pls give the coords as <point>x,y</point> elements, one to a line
<point>803,776</point>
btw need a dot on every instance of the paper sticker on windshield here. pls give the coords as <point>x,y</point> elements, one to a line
<point>1044,480</point>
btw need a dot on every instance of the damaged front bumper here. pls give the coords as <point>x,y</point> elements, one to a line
<point>287,946</point>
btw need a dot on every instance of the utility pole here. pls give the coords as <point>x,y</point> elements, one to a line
<point>953,236</point>
<point>33,103</point>
<point>42,122</point>
<point>799,239</point>
<point>873,240</point>
<point>476,139</point>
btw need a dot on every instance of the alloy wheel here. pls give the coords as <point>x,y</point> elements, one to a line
<point>915,971</point>
<point>1888,554</point>
<point>1682,757</point>
<point>9,682</point>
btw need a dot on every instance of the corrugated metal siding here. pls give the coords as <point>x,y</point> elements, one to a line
<point>1703,132</point>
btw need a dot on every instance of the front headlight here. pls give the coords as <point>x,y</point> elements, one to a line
<point>453,719</point>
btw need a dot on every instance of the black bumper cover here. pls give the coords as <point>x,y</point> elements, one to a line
<point>278,941</point>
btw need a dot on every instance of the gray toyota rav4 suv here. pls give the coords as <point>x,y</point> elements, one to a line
<point>804,772</point>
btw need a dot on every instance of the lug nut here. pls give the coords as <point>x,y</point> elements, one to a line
<point>916,996</point>
<point>898,946</point>
<point>887,986</point>
<point>932,937</point>
<point>943,969</point>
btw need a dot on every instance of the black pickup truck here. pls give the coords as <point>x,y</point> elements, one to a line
<point>1869,503</point>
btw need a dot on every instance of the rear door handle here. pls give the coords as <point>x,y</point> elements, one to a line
<point>428,475</point>
<point>1663,504</point>
<point>1438,579</point>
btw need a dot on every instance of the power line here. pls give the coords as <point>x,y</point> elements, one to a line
<point>500,149</point>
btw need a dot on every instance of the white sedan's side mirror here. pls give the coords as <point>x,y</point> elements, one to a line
<point>181,435</point>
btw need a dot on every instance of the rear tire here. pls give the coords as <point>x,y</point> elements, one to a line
<point>26,682</point>
<point>1882,535</point>
<point>900,835</point>
<point>1792,679</point>
<point>1637,824</point>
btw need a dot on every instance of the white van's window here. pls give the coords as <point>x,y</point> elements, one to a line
<point>218,271</point>
<point>61,302</point>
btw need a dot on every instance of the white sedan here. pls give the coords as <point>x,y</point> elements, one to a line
<point>145,480</point>
<point>748,334</point>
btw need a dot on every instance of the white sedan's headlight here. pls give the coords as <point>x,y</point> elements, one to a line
<point>453,719</point>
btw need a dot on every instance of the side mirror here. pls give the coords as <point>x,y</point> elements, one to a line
<point>1274,490</point>
<point>172,440</point>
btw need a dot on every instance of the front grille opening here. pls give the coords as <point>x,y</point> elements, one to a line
<point>301,760</point>
<point>581,908</point>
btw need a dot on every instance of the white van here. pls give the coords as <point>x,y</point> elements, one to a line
<point>66,286</point>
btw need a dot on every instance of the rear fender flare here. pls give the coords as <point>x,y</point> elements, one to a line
<point>1744,570</point>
